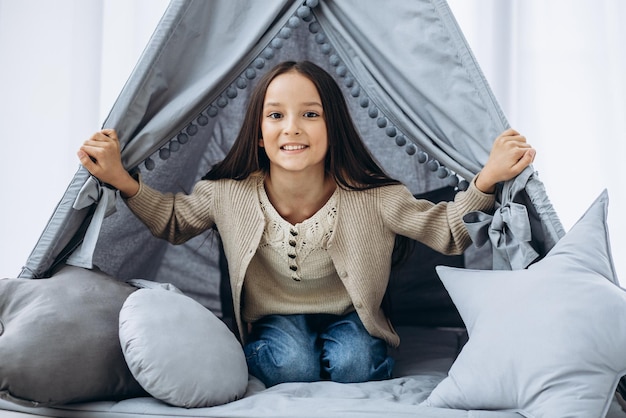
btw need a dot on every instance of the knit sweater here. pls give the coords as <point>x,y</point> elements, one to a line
<point>360,247</point>
<point>293,272</point>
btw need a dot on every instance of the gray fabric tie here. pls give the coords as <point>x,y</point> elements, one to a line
<point>508,229</point>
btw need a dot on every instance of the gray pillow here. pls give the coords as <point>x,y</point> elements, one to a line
<point>548,341</point>
<point>58,339</point>
<point>179,351</point>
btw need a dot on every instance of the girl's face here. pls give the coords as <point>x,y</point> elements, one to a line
<point>293,125</point>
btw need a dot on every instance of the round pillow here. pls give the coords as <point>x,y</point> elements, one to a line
<point>179,351</point>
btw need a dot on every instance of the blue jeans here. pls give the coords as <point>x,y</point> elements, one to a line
<point>312,347</point>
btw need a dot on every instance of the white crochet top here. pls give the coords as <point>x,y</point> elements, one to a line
<point>295,274</point>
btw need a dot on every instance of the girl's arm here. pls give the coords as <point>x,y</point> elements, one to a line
<point>440,226</point>
<point>176,218</point>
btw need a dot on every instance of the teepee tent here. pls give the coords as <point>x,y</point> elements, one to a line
<point>421,104</point>
<point>415,89</point>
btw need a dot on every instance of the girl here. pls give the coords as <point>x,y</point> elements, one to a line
<point>308,222</point>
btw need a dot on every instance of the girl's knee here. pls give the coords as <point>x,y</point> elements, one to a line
<point>274,365</point>
<point>360,358</point>
<point>355,367</point>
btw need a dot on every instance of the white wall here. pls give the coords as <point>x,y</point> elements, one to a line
<point>63,63</point>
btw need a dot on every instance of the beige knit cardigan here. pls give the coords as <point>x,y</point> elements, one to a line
<point>360,247</point>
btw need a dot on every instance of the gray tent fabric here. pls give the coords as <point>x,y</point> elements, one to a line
<point>92,193</point>
<point>508,230</point>
<point>413,85</point>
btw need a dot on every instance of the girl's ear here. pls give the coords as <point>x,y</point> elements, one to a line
<point>261,143</point>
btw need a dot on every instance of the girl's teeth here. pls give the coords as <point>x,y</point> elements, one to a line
<point>293,147</point>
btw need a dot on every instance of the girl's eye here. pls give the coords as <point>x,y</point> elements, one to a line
<point>311,114</point>
<point>274,115</point>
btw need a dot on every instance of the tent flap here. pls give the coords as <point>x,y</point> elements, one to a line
<point>413,86</point>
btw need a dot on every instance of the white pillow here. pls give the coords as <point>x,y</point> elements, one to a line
<point>549,341</point>
<point>179,351</point>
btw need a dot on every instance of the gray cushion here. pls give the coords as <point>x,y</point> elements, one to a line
<point>59,342</point>
<point>179,351</point>
<point>549,341</point>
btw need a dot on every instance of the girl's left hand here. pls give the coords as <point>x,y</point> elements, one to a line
<point>510,155</point>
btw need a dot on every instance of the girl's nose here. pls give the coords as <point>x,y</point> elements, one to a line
<point>292,126</point>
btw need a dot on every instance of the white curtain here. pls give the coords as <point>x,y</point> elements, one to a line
<point>557,68</point>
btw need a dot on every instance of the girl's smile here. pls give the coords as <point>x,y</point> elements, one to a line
<point>293,147</point>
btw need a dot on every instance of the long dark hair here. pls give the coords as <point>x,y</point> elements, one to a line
<point>348,160</point>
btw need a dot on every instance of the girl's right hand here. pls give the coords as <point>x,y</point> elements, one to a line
<point>100,155</point>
